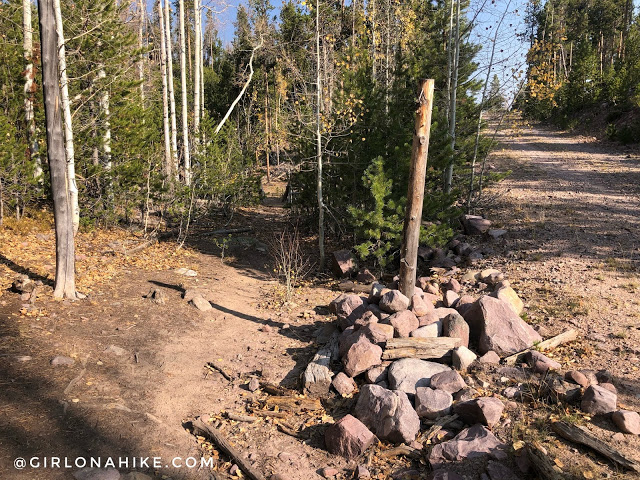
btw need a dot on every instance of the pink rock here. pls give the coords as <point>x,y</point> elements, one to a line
<point>510,297</point>
<point>432,330</point>
<point>484,410</point>
<point>419,307</point>
<point>455,326</point>
<point>393,301</point>
<point>541,363</point>
<point>348,437</point>
<point>450,298</point>
<point>490,357</point>
<point>378,333</point>
<point>474,224</point>
<point>449,381</point>
<point>377,374</point>
<point>367,318</point>
<point>577,377</point>
<point>452,284</point>
<point>404,323</point>
<point>472,442</point>
<point>597,400</point>
<point>389,414</point>
<point>328,472</point>
<point>343,384</point>
<point>361,356</point>
<point>628,422</point>
<point>432,403</point>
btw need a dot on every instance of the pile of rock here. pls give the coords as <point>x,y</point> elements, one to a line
<point>399,395</point>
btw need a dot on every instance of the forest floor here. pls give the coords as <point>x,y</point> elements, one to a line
<point>572,210</point>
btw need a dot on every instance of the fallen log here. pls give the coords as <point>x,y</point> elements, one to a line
<point>241,418</point>
<point>202,428</point>
<point>539,458</point>
<point>276,390</point>
<point>582,436</point>
<point>553,342</point>
<point>142,246</point>
<point>270,413</point>
<point>316,378</point>
<point>349,286</point>
<point>423,348</point>
<point>294,404</point>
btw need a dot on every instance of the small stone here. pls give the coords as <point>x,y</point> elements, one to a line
<point>496,233</point>
<point>431,404</point>
<point>484,410</point>
<point>540,363</point>
<point>511,392</point>
<point>329,472</point>
<point>462,358</point>
<point>510,297</point>
<point>233,471</point>
<point>377,374</point>
<point>455,326</point>
<point>348,437</point>
<point>577,377</point>
<point>265,329</point>
<point>61,360</point>
<point>598,400</point>
<point>449,381</point>
<point>591,376</point>
<point>361,356</point>
<point>626,421</point>
<point>201,304</point>
<point>404,323</point>
<point>114,350</point>
<point>465,394</point>
<point>490,357</point>
<point>475,224</point>
<point>186,272</point>
<point>343,384</point>
<point>393,301</point>
<point>617,437</point>
<point>419,307</point>
<point>604,376</point>
<point>362,472</point>
<point>450,298</point>
<point>254,384</point>
<point>453,285</point>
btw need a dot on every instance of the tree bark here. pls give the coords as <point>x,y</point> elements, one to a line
<point>425,348</point>
<point>415,195</point>
<point>185,112</point>
<point>68,125</point>
<point>141,9</point>
<point>197,73</point>
<point>452,100</point>
<point>172,99</point>
<point>165,97</point>
<point>65,255</point>
<point>319,143</point>
<point>29,90</point>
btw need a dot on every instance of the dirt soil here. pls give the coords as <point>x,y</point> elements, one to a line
<point>572,252</point>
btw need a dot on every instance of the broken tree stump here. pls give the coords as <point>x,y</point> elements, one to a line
<point>424,348</point>
<point>202,428</point>
<point>553,342</point>
<point>316,379</point>
<point>539,458</point>
<point>582,436</point>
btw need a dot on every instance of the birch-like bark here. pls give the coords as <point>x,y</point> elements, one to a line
<point>172,99</point>
<point>165,99</point>
<point>29,90</point>
<point>452,100</point>
<point>141,9</point>
<point>319,141</point>
<point>68,126</point>
<point>65,255</point>
<point>104,110</point>
<point>185,111</point>
<point>197,71</point>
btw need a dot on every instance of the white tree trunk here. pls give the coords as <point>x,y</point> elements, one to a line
<point>68,126</point>
<point>185,112</point>
<point>29,90</point>
<point>104,107</point>
<point>172,99</point>
<point>319,140</point>
<point>141,9</point>
<point>165,99</point>
<point>452,100</point>
<point>197,70</point>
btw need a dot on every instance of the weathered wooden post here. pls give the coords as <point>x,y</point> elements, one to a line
<point>415,194</point>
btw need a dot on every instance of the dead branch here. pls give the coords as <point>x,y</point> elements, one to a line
<point>553,342</point>
<point>214,366</point>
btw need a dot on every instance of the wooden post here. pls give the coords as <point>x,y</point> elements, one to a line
<point>415,194</point>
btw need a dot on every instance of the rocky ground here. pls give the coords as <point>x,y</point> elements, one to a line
<point>126,373</point>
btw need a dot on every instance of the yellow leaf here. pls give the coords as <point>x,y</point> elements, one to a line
<point>587,474</point>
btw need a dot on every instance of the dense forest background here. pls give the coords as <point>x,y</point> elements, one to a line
<point>165,124</point>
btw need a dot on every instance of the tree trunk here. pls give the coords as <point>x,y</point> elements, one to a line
<point>165,97</point>
<point>172,99</point>
<point>185,112</point>
<point>141,9</point>
<point>29,90</point>
<point>68,126</point>
<point>452,101</point>
<point>104,110</point>
<point>65,255</point>
<point>266,125</point>
<point>415,195</point>
<point>319,142</point>
<point>197,73</point>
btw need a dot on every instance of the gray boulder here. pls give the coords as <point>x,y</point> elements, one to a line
<point>598,400</point>
<point>473,442</point>
<point>393,301</point>
<point>407,374</point>
<point>484,410</point>
<point>432,403</point>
